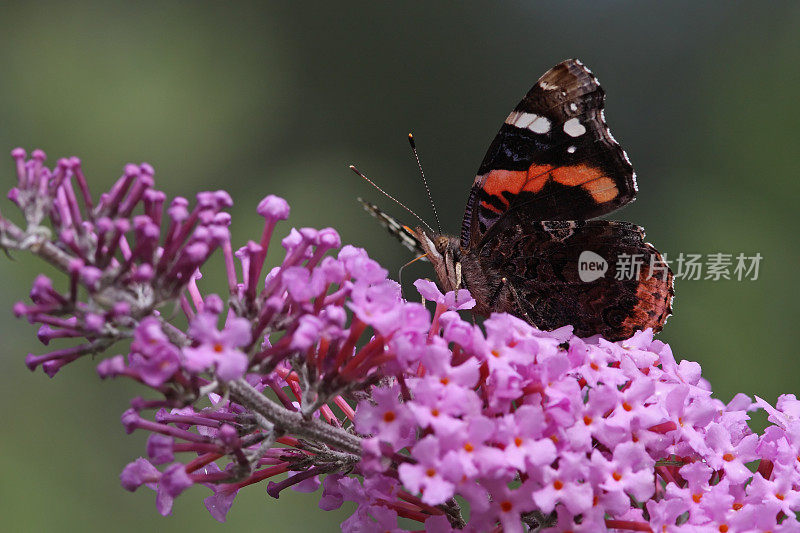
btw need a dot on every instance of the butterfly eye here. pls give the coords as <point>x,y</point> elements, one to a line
<point>441,244</point>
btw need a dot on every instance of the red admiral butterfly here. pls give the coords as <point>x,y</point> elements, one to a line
<point>527,240</point>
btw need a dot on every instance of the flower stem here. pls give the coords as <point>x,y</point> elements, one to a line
<point>293,422</point>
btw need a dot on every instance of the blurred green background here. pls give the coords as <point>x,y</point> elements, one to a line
<point>258,98</point>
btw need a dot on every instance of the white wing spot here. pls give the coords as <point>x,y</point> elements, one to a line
<point>573,107</point>
<point>571,149</point>
<point>540,125</point>
<point>531,121</point>
<point>520,119</point>
<point>525,120</point>
<point>548,86</point>
<point>574,128</point>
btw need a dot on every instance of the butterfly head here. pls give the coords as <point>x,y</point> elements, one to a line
<point>444,253</point>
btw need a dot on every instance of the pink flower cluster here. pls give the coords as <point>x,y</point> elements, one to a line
<point>544,429</point>
<point>113,253</point>
<point>318,372</point>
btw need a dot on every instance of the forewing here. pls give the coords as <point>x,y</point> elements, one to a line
<point>404,234</point>
<point>554,158</point>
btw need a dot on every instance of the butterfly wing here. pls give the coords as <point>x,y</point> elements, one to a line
<point>554,158</point>
<point>404,234</point>
<point>582,273</point>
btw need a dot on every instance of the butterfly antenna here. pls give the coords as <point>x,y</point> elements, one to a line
<point>392,198</point>
<point>424,181</point>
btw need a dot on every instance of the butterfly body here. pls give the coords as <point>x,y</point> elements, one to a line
<point>528,244</point>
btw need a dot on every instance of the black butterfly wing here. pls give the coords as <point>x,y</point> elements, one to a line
<point>554,158</point>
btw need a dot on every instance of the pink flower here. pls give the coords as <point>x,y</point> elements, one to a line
<point>428,474</point>
<point>218,349</point>
<point>455,300</point>
<point>385,416</point>
<point>563,485</point>
<point>173,482</point>
<point>730,457</point>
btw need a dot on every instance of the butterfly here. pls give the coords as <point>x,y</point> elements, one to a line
<point>529,244</point>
